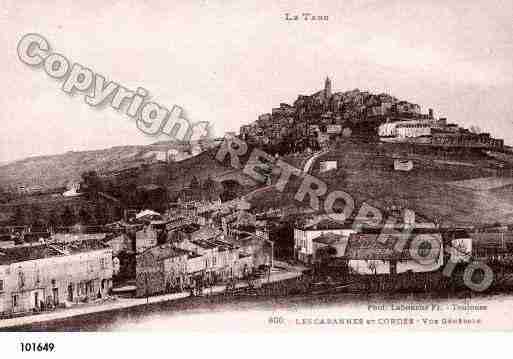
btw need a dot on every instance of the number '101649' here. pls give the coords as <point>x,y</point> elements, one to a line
<point>37,347</point>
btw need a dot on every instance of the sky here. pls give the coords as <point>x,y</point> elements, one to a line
<point>228,61</point>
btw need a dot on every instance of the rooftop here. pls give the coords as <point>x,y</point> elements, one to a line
<point>189,228</point>
<point>164,251</point>
<point>213,243</point>
<point>27,253</point>
<point>331,239</point>
<point>205,233</point>
<point>367,246</point>
<point>325,222</point>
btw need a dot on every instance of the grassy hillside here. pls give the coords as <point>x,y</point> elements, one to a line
<point>127,188</point>
<point>58,170</point>
<point>366,172</point>
<point>454,188</point>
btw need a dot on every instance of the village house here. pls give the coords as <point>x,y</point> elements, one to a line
<point>305,234</point>
<point>376,253</point>
<point>123,255</point>
<point>219,257</point>
<point>231,221</point>
<point>406,108</point>
<point>189,264</point>
<point>43,276</point>
<point>196,267</point>
<point>254,249</point>
<point>329,246</point>
<point>258,229</point>
<point>228,256</point>
<point>152,234</point>
<point>121,244</point>
<point>159,269</point>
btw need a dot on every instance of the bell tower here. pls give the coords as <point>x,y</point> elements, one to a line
<point>327,88</point>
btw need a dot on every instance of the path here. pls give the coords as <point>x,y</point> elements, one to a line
<point>309,163</point>
<point>122,303</point>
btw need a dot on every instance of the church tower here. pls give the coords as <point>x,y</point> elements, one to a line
<point>327,88</point>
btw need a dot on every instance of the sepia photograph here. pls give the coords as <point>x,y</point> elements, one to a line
<point>232,166</point>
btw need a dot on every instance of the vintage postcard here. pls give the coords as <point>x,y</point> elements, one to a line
<point>234,166</point>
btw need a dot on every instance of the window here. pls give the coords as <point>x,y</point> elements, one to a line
<point>1,285</point>
<point>102,263</point>
<point>15,300</point>
<point>21,279</point>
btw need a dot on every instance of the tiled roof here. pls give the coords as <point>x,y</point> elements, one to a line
<point>331,238</point>
<point>204,233</point>
<point>85,245</point>
<point>326,222</point>
<point>189,228</point>
<point>367,246</point>
<point>205,244</point>
<point>26,252</point>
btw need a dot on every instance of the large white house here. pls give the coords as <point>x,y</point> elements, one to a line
<point>408,129</point>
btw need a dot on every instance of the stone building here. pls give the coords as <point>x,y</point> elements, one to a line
<point>40,277</point>
<point>395,252</point>
<point>161,269</point>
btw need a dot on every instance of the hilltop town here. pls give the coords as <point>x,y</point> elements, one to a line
<point>312,122</point>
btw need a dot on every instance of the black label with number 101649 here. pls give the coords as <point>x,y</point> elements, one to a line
<point>37,347</point>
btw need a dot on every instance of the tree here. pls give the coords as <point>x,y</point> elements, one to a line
<point>35,217</point>
<point>129,195</point>
<point>19,217</point>
<point>101,213</point>
<point>54,220</point>
<point>325,254</point>
<point>117,213</point>
<point>195,183</point>
<point>211,189</point>
<point>84,216</point>
<point>231,190</point>
<point>91,183</point>
<point>68,217</point>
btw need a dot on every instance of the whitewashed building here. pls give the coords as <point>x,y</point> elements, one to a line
<point>304,236</point>
<point>35,278</point>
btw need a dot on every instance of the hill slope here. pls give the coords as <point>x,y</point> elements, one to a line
<point>432,188</point>
<point>58,170</point>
